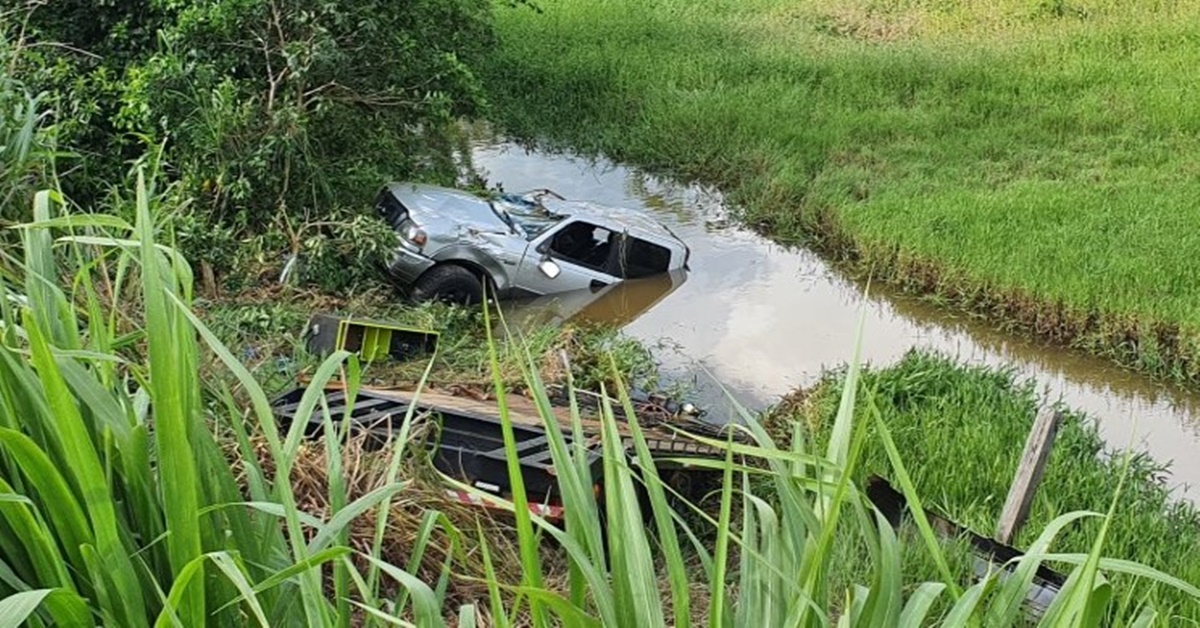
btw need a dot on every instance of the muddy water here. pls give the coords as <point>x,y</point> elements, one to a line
<point>763,320</point>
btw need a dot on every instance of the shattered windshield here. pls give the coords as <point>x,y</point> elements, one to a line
<point>525,214</point>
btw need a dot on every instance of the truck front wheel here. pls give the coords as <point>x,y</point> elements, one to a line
<point>448,283</point>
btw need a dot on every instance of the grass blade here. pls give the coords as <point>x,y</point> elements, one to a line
<point>576,484</point>
<point>82,460</point>
<point>882,606</point>
<point>328,532</point>
<point>235,573</point>
<point>27,529</point>
<point>337,498</point>
<point>426,608</point>
<point>174,419</point>
<point>964,611</point>
<point>716,587</point>
<point>917,608</point>
<point>494,597</point>
<point>1145,619</point>
<point>1085,593</point>
<point>467,616</point>
<point>1117,565</point>
<point>399,445</point>
<point>382,616</point>
<point>67,518</point>
<point>1007,607</point>
<point>568,613</point>
<point>839,439</point>
<point>50,308</point>
<point>530,561</point>
<point>659,507</point>
<point>633,571</point>
<point>313,599</point>
<point>915,509</point>
<point>16,608</point>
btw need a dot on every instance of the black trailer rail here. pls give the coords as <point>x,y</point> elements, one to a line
<point>1047,583</point>
<point>468,442</point>
<point>469,445</point>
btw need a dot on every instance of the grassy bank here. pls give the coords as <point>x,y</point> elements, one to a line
<point>961,430</point>
<point>1030,161</point>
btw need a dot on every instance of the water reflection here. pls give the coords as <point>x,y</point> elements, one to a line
<point>617,304</point>
<point>765,320</point>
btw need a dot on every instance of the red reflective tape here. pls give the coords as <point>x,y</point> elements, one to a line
<point>548,511</point>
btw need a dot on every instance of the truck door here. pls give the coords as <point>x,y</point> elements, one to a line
<point>578,253</point>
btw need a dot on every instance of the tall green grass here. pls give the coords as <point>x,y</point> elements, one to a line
<point>961,429</point>
<point>797,504</point>
<point>25,144</point>
<point>1027,160</point>
<point>116,497</point>
<point>118,505</point>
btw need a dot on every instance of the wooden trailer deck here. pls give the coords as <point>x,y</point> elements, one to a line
<point>469,441</point>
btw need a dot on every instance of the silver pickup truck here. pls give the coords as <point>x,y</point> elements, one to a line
<point>454,243</point>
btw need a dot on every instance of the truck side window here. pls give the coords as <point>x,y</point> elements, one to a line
<point>642,258</point>
<point>584,244</point>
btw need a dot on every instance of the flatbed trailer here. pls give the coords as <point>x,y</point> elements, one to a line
<point>469,445</point>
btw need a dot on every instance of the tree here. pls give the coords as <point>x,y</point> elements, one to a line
<point>278,117</point>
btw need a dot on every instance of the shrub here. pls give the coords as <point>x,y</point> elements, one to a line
<point>276,116</point>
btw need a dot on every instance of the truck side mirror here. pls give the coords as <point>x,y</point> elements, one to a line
<point>549,268</point>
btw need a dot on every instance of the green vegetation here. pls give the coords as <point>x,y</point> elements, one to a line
<point>143,478</point>
<point>961,430</point>
<point>277,120</point>
<point>1027,160</point>
<point>119,504</point>
<point>265,333</point>
<point>103,455</point>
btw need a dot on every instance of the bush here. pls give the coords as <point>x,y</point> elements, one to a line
<point>278,116</point>
<point>24,147</point>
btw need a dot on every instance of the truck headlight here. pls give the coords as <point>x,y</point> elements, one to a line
<point>415,234</point>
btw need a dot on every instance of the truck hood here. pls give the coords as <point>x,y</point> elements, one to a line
<point>445,212</point>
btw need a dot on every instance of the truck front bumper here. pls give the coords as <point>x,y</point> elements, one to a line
<point>407,265</point>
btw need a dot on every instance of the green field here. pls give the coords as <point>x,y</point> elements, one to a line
<point>1030,160</point>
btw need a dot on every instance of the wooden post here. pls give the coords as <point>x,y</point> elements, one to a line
<point>1029,474</point>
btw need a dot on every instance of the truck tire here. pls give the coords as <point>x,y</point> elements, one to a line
<point>448,283</point>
